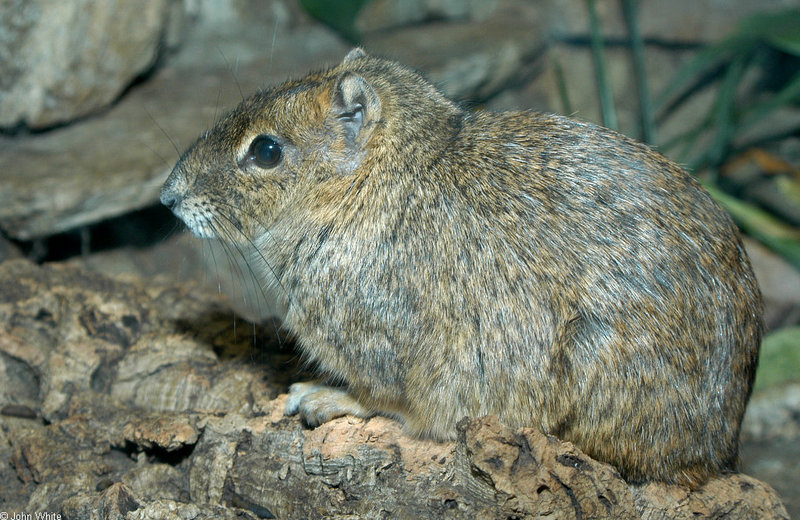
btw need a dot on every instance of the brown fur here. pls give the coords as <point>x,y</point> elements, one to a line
<point>441,263</point>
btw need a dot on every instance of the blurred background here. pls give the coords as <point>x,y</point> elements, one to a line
<point>99,98</point>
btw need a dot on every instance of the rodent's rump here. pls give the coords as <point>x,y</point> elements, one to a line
<point>440,263</point>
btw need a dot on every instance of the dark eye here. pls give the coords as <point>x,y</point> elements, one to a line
<point>265,152</point>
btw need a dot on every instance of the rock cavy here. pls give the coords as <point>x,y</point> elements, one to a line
<point>438,263</point>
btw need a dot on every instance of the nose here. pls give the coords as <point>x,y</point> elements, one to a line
<point>170,198</point>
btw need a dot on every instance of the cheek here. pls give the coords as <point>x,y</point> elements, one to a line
<point>256,202</point>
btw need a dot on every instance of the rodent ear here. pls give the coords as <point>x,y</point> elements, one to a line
<point>354,54</point>
<point>356,105</point>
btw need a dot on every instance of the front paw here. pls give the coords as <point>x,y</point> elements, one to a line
<point>317,403</point>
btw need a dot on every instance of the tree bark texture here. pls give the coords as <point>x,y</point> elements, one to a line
<point>120,399</point>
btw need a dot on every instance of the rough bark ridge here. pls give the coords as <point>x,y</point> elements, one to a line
<point>121,400</point>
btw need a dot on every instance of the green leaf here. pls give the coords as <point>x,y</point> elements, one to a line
<point>688,139</point>
<point>561,83</point>
<point>631,13</point>
<point>788,43</point>
<point>339,15</point>
<point>790,93</point>
<point>607,108</point>
<point>779,361</point>
<point>703,62</point>
<point>779,29</point>
<point>775,234</point>
<point>789,189</point>
<point>724,112</point>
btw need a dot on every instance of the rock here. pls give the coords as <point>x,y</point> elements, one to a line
<point>532,472</point>
<point>780,285</point>
<point>71,330</point>
<point>771,441</point>
<point>470,59</point>
<point>62,179</point>
<point>63,60</point>
<point>157,406</point>
<point>8,250</point>
<point>116,163</point>
<point>389,14</point>
<point>114,502</point>
<point>773,414</point>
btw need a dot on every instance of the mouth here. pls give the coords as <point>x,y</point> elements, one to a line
<point>200,226</point>
<point>208,224</point>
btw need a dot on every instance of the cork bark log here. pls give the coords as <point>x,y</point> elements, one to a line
<point>126,400</point>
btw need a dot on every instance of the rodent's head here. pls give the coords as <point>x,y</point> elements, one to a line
<point>301,143</point>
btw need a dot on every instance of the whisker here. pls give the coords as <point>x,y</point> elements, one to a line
<point>230,246</point>
<point>265,261</point>
<point>227,231</point>
<point>216,268</point>
<point>228,243</point>
<point>169,138</point>
<point>216,107</point>
<point>272,48</point>
<point>234,267</point>
<point>177,227</point>
<point>233,72</point>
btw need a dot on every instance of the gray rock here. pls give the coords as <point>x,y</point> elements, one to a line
<point>470,59</point>
<point>63,179</point>
<point>386,14</point>
<point>8,250</point>
<point>771,441</point>
<point>63,60</point>
<point>115,163</point>
<point>773,414</point>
